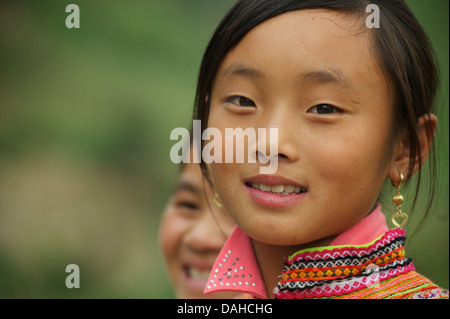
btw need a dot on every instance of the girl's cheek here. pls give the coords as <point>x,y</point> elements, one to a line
<point>222,175</point>
<point>171,233</point>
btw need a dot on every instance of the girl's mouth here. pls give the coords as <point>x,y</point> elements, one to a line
<point>196,278</point>
<point>197,274</point>
<point>274,191</point>
<point>278,189</point>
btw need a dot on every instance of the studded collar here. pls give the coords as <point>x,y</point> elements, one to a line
<point>236,268</point>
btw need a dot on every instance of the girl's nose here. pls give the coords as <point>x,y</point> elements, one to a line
<point>280,139</point>
<point>205,237</point>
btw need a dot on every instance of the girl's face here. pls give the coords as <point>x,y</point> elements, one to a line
<point>189,235</point>
<point>312,75</point>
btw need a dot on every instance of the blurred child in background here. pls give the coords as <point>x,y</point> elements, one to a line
<point>193,229</point>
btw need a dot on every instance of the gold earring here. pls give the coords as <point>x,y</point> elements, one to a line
<point>399,218</point>
<point>216,201</point>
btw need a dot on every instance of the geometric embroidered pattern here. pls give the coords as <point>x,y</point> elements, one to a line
<point>376,270</point>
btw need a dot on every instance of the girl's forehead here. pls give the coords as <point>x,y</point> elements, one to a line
<point>307,42</point>
<point>335,22</point>
<point>306,31</point>
<point>191,173</point>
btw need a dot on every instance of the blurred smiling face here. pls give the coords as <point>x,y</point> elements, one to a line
<point>311,74</point>
<point>190,236</point>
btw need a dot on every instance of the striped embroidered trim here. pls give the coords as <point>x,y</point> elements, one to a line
<point>333,252</point>
<point>410,285</point>
<point>342,268</point>
<point>336,271</point>
<point>371,269</point>
<point>343,287</point>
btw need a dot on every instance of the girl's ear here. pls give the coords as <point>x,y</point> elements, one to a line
<point>426,128</point>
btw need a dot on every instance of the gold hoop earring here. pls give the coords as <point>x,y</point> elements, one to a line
<point>399,218</point>
<point>216,201</point>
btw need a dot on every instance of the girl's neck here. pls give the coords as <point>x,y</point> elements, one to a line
<point>271,259</point>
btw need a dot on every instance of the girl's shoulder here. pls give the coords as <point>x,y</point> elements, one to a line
<point>376,270</point>
<point>426,289</point>
<point>409,285</point>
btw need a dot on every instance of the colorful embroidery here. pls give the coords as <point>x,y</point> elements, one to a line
<point>377,270</point>
<point>432,294</point>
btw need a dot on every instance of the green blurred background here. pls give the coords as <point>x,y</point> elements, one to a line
<point>85,118</point>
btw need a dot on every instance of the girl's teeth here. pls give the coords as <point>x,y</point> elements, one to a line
<point>198,274</point>
<point>279,189</point>
<point>289,188</point>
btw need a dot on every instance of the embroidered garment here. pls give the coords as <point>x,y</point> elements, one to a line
<point>378,270</point>
<point>352,267</point>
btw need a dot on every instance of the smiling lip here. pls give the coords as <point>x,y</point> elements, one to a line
<point>273,199</point>
<point>271,180</point>
<point>192,278</point>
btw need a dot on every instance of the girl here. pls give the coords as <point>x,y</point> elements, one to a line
<point>352,106</point>
<point>189,235</point>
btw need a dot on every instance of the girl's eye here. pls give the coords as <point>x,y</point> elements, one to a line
<point>188,205</point>
<point>240,101</point>
<point>324,109</point>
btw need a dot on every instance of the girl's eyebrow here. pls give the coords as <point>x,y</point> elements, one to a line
<point>326,76</point>
<point>239,69</point>
<point>186,186</point>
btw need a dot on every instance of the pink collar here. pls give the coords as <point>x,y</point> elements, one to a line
<point>369,228</point>
<point>236,268</point>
